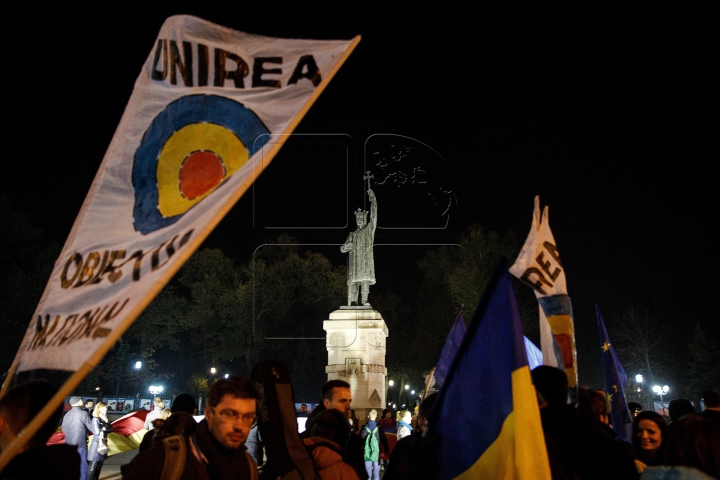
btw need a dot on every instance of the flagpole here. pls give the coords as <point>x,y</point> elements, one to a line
<point>429,382</point>
<point>8,378</point>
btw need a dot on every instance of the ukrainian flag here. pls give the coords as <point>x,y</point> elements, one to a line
<point>487,415</point>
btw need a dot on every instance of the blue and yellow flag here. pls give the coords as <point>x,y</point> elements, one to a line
<point>487,416</point>
<point>615,382</point>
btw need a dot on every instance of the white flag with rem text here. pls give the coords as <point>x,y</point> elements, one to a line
<point>538,265</point>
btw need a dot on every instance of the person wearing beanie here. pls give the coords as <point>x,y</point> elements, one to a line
<point>75,425</point>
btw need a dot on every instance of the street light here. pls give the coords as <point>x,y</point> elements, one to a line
<point>387,393</point>
<point>155,389</point>
<point>138,365</point>
<point>661,391</point>
<point>638,378</point>
<point>212,370</point>
<point>227,375</point>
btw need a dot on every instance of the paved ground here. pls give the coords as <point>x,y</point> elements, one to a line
<point>111,467</point>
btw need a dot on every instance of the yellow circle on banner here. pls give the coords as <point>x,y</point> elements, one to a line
<point>193,138</point>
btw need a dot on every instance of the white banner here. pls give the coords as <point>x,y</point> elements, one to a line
<point>538,263</point>
<point>208,111</point>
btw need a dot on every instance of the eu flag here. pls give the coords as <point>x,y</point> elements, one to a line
<point>615,382</point>
<point>487,416</point>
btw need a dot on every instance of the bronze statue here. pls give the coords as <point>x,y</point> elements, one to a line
<point>359,244</point>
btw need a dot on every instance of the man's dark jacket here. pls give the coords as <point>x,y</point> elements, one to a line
<point>75,426</point>
<point>223,463</point>
<point>354,447</point>
<point>579,449</point>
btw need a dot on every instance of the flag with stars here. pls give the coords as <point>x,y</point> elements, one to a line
<point>615,381</point>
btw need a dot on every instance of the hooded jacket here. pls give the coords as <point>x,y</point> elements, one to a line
<point>328,460</point>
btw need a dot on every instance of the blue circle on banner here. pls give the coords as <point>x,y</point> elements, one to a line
<point>214,132</point>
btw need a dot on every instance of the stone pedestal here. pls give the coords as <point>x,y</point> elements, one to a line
<point>355,343</point>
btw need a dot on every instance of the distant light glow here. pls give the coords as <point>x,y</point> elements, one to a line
<point>638,378</point>
<point>155,389</point>
<point>661,391</point>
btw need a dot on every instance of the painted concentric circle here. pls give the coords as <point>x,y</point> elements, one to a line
<point>190,149</point>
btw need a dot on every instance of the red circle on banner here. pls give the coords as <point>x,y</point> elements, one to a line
<point>200,172</point>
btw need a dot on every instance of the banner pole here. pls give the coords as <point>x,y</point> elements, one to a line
<point>429,382</point>
<point>8,378</point>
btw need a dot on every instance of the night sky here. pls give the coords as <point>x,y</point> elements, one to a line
<point>606,114</point>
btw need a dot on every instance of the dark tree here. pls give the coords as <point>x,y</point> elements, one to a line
<point>641,342</point>
<point>451,276</point>
<point>704,364</point>
<point>218,313</point>
<point>26,261</point>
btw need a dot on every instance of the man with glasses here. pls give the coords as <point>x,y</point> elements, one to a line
<point>213,449</point>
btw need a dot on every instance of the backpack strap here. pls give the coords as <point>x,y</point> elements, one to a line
<point>175,451</point>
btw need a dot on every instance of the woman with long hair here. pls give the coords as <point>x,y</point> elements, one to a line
<point>98,451</point>
<point>649,434</point>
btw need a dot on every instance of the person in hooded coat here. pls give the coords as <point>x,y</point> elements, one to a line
<point>326,445</point>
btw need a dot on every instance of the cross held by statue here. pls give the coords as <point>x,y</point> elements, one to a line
<point>367,177</point>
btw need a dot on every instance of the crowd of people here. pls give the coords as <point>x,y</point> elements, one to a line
<point>580,442</point>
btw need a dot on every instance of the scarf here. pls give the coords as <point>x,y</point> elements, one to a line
<point>402,423</point>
